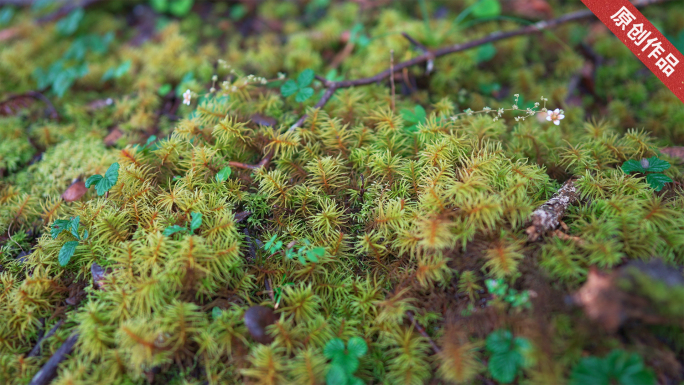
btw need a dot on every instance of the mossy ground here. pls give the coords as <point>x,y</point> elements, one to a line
<point>413,219</point>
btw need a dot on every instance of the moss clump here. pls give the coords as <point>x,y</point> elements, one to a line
<point>409,216</point>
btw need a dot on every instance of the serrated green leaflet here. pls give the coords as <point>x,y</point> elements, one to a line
<point>74,227</point>
<point>196,221</point>
<point>357,346</point>
<point>333,348</point>
<point>656,165</point>
<point>305,78</point>
<point>174,229</point>
<point>303,94</point>
<point>657,181</point>
<point>504,366</point>
<point>223,175</point>
<point>103,184</point>
<point>58,226</point>
<point>66,252</point>
<point>289,88</point>
<point>632,166</point>
<point>499,341</point>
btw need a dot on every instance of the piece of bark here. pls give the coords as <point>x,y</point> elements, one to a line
<point>75,191</point>
<point>547,217</point>
<point>48,372</point>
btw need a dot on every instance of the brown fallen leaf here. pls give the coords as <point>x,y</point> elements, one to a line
<point>113,136</point>
<point>675,152</point>
<point>257,318</point>
<point>637,291</point>
<point>75,191</point>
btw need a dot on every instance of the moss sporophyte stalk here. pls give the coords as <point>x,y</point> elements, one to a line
<point>336,192</point>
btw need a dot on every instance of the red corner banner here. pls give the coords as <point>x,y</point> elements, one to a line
<point>645,41</point>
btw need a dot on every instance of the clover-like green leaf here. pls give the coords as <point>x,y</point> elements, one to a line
<point>109,180</point>
<point>631,166</point>
<point>656,165</point>
<point>74,227</point>
<point>357,346</point>
<point>223,175</point>
<point>499,341</point>
<point>305,78</point>
<point>289,88</point>
<point>504,366</point>
<point>304,94</point>
<point>66,252</point>
<point>347,361</point>
<point>196,221</point>
<point>334,348</point>
<point>336,376</point>
<point>657,181</point>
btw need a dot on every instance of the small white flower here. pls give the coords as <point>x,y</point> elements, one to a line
<point>187,95</point>
<point>556,116</point>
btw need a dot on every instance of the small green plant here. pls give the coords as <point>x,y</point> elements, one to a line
<point>618,367</point>
<point>344,361</point>
<point>300,87</point>
<point>149,145</point>
<point>195,223</point>
<point>104,183</point>
<point>500,289</point>
<point>652,168</point>
<point>177,8</point>
<point>507,355</point>
<point>69,24</point>
<point>117,72</point>
<point>223,175</point>
<point>306,252</point>
<point>69,248</point>
<point>413,118</point>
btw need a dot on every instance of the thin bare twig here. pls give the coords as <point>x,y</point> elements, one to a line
<point>49,370</point>
<point>495,36</point>
<point>36,349</point>
<point>422,332</point>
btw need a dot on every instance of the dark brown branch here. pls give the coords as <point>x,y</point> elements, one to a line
<point>422,332</point>
<point>49,370</point>
<point>32,95</point>
<point>547,217</point>
<point>36,349</point>
<point>492,37</point>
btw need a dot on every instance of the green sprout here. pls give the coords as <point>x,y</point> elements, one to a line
<point>69,248</point>
<point>195,223</point>
<point>177,8</point>
<point>414,118</point>
<point>500,289</point>
<point>223,175</point>
<point>300,87</point>
<point>344,361</point>
<point>652,168</point>
<point>104,183</point>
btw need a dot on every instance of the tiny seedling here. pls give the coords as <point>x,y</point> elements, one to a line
<point>195,223</point>
<point>618,367</point>
<point>500,289</point>
<point>413,118</point>
<point>344,361</point>
<point>149,145</point>
<point>106,182</point>
<point>116,72</point>
<point>177,8</point>
<point>653,169</point>
<point>508,355</point>
<point>69,248</point>
<point>306,252</point>
<point>300,87</point>
<point>223,175</point>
